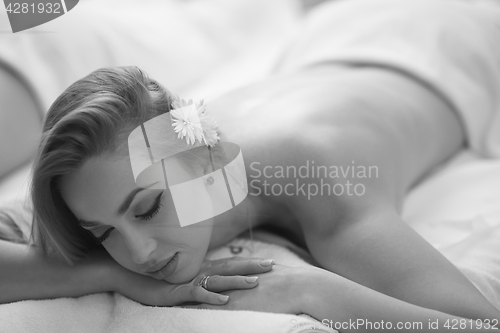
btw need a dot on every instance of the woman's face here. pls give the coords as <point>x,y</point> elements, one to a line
<point>138,227</point>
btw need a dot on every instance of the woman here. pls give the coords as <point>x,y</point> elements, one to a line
<point>376,267</point>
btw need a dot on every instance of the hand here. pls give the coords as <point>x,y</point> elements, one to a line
<point>284,290</point>
<point>225,274</point>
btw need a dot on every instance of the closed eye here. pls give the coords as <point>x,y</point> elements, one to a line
<point>153,211</point>
<point>105,235</point>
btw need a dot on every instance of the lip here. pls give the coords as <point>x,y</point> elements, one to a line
<point>165,268</point>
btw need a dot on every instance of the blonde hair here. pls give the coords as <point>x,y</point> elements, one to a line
<point>93,117</point>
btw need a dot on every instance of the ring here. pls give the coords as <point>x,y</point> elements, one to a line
<point>203,282</point>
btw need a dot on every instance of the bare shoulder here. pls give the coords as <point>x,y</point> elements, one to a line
<point>335,142</point>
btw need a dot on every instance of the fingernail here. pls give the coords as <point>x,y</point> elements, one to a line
<point>223,298</point>
<point>267,262</point>
<point>251,279</point>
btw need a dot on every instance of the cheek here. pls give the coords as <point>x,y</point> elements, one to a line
<point>192,241</point>
<point>169,231</point>
<point>121,254</point>
<point>197,235</point>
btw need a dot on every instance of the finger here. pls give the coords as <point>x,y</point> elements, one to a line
<point>229,266</point>
<point>219,283</point>
<point>199,294</point>
<point>213,298</point>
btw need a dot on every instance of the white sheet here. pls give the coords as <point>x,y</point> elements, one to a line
<point>457,209</point>
<point>178,42</point>
<point>449,45</point>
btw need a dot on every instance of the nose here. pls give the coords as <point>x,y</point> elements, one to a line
<point>140,244</point>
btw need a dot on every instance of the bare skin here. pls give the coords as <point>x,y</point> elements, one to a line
<point>376,117</point>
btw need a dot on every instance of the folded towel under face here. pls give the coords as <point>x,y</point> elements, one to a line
<point>114,313</point>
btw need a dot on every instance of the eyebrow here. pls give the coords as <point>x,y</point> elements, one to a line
<point>123,207</point>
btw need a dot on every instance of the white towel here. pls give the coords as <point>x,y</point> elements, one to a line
<point>452,46</point>
<point>114,313</point>
<point>178,43</point>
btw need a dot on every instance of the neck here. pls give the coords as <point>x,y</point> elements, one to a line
<point>235,221</point>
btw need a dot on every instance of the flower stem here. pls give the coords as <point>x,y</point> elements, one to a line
<point>211,158</point>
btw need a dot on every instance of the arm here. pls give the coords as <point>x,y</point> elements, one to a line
<point>350,307</point>
<point>363,238</point>
<point>28,274</point>
<point>393,259</point>
<point>342,304</point>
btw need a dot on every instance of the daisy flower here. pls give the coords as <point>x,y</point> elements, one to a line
<point>208,125</point>
<point>187,124</point>
<point>178,102</point>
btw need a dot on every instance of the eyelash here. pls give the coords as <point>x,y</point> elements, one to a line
<point>149,216</point>
<point>145,217</point>
<point>104,236</point>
